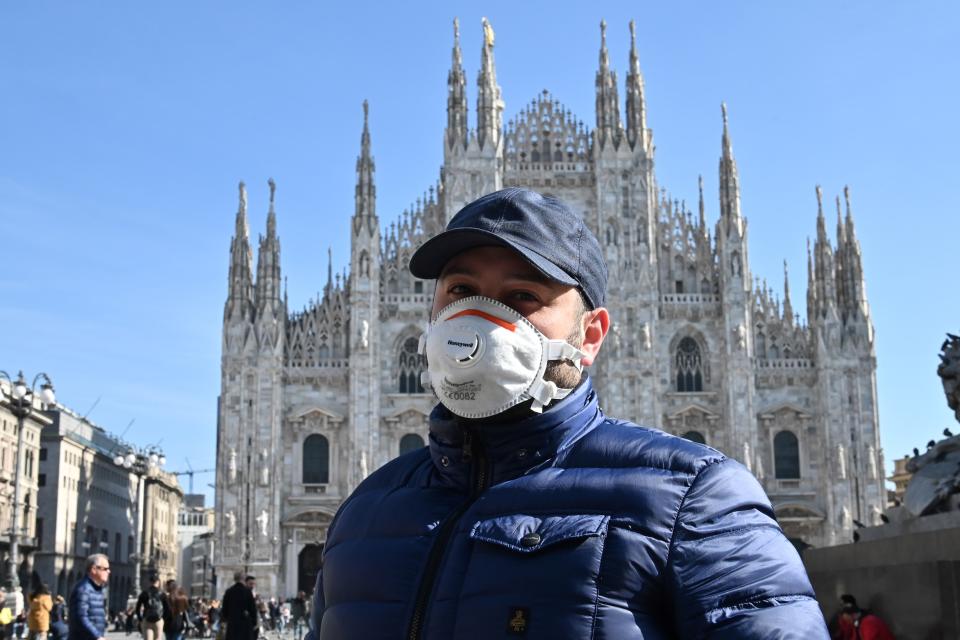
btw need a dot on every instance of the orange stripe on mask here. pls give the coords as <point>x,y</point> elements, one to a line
<point>509,326</point>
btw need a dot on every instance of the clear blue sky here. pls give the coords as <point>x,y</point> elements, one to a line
<point>124,130</point>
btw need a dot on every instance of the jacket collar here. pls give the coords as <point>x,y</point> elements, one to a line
<point>510,448</point>
<point>93,583</point>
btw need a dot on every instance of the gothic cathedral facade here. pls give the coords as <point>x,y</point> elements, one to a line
<point>312,401</point>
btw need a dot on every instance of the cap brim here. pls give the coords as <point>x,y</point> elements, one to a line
<point>428,261</point>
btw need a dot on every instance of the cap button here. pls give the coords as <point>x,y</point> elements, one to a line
<point>530,540</point>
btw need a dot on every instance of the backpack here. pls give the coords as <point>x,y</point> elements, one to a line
<point>154,609</point>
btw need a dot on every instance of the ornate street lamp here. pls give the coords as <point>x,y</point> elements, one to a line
<point>21,399</point>
<point>143,462</point>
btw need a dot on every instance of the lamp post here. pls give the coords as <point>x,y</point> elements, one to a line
<point>21,399</point>
<point>142,462</point>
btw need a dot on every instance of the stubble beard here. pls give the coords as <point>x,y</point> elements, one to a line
<point>562,372</point>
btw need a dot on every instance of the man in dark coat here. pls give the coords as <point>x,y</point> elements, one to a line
<point>532,513</point>
<point>87,616</point>
<point>238,610</point>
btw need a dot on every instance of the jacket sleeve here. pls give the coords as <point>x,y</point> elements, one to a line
<point>141,604</point>
<point>730,570</point>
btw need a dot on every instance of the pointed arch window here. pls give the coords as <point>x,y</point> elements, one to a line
<point>316,460</point>
<point>689,364</point>
<point>410,442</point>
<point>786,456</point>
<point>695,436</point>
<point>411,365</point>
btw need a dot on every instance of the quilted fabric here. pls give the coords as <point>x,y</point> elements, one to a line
<point>565,525</point>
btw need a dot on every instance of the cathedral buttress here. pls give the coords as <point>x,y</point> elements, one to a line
<point>734,267</point>
<point>476,169</point>
<point>456,133</point>
<point>363,447</point>
<point>609,130</point>
<point>637,134</point>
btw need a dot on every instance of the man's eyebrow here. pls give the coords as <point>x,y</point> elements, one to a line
<point>456,271</point>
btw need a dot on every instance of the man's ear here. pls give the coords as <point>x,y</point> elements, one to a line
<point>596,323</point>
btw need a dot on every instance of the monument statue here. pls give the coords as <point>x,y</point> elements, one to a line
<point>263,520</point>
<point>949,372</point>
<point>935,485</point>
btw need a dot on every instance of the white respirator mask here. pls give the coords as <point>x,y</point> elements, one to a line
<point>483,358</point>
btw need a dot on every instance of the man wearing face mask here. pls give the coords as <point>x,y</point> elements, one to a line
<point>532,514</point>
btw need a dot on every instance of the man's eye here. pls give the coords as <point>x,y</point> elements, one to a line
<point>459,290</point>
<point>524,296</point>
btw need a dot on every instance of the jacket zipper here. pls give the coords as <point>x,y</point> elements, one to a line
<point>479,483</point>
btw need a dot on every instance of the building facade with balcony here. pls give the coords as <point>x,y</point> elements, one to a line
<point>32,479</point>
<point>201,578</point>
<point>162,502</point>
<point>86,505</point>
<point>194,519</point>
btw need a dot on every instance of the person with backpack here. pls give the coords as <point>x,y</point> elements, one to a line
<point>151,609</point>
<point>58,619</point>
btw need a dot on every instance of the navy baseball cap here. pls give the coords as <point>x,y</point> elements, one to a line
<point>542,229</point>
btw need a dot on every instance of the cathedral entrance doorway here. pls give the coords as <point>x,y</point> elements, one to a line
<point>308,566</point>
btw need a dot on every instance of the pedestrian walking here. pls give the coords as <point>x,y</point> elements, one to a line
<point>239,609</point>
<point>151,609</point>
<point>58,619</point>
<point>177,621</point>
<point>38,620</point>
<point>298,612</point>
<point>87,616</point>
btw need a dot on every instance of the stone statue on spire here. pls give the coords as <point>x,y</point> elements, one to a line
<point>488,36</point>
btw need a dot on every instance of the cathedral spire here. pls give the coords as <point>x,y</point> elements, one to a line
<point>366,194</point>
<point>456,95</point>
<point>489,100</point>
<point>787,305</point>
<point>824,263</point>
<point>329,285</point>
<point>703,215</point>
<point>811,287</point>
<point>840,264</point>
<point>271,213</point>
<point>636,103</point>
<point>609,128</point>
<point>267,293</point>
<point>240,277</point>
<point>729,178</point>
<point>840,230</point>
<point>854,256</point>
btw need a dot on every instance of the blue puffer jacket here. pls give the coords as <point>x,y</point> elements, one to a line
<point>87,618</point>
<point>565,525</point>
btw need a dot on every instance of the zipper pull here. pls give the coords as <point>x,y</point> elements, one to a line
<point>467,452</point>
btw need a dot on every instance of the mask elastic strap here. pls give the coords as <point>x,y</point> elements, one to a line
<point>563,350</point>
<point>544,392</point>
